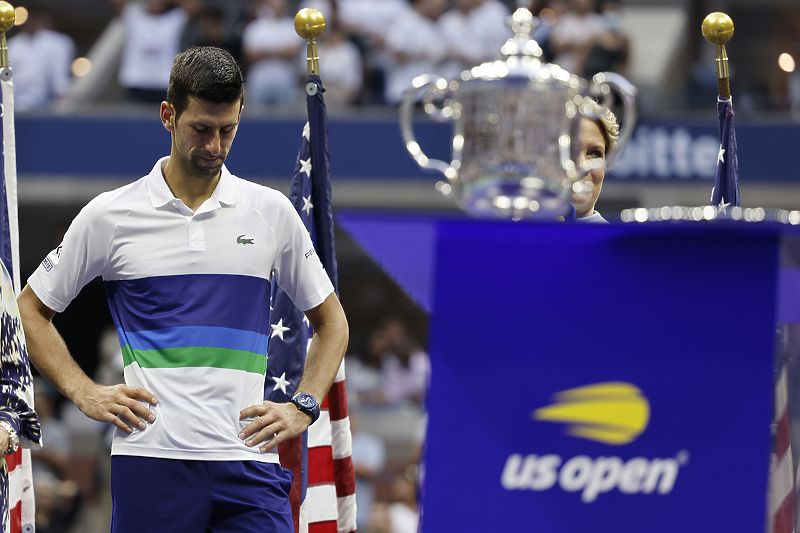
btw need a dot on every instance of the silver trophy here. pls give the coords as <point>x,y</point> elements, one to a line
<point>516,121</point>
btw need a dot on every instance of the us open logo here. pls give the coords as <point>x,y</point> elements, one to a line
<point>612,413</point>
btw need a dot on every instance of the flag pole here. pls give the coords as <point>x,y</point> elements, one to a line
<point>19,509</point>
<point>10,248</point>
<point>7,18</point>
<point>718,30</point>
<point>309,24</point>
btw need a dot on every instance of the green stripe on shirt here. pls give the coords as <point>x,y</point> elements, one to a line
<point>196,356</point>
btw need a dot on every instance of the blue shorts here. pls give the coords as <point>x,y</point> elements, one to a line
<point>169,495</point>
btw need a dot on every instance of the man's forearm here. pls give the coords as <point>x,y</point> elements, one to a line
<point>118,404</point>
<point>47,350</point>
<point>327,349</point>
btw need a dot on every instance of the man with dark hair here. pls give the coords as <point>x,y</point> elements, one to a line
<point>187,255</point>
<point>190,77</point>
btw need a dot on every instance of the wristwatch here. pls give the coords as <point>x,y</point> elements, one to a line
<point>13,439</point>
<point>307,404</point>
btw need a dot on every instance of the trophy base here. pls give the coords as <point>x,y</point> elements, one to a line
<point>711,213</point>
<point>525,199</point>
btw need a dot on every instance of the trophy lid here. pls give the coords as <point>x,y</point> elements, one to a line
<point>522,57</point>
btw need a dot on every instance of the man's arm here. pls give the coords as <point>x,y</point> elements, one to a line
<point>49,353</point>
<point>284,420</point>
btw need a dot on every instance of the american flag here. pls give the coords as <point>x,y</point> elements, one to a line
<point>781,490</point>
<point>726,181</point>
<point>323,493</point>
<point>16,384</point>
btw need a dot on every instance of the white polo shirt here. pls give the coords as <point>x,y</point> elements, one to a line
<point>189,294</point>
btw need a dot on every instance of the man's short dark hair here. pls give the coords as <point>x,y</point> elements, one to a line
<point>207,73</point>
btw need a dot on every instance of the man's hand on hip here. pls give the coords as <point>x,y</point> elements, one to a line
<point>117,405</point>
<point>274,421</point>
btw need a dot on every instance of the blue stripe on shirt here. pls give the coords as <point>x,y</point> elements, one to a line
<point>212,300</point>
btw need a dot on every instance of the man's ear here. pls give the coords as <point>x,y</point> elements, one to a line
<point>168,116</point>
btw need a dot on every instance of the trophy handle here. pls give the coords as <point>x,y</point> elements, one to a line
<point>627,92</point>
<point>423,85</point>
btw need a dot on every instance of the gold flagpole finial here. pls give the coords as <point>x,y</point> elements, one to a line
<point>309,24</point>
<point>718,29</point>
<point>7,17</point>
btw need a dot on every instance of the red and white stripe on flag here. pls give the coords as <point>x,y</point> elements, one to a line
<point>330,503</point>
<point>781,494</point>
<point>20,492</point>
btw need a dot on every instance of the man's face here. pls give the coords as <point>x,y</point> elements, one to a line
<point>592,149</point>
<point>202,135</point>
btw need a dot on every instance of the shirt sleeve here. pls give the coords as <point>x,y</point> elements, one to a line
<point>81,256</point>
<point>298,270</point>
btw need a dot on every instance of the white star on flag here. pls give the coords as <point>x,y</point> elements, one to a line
<point>281,383</point>
<point>721,156</point>
<point>307,132</point>
<point>307,205</point>
<point>723,207</point>
<point>305,166</point>
<point>278,329</point>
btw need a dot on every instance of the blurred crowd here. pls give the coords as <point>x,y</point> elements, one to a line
<point>369,54</point>
<point>387,377</point>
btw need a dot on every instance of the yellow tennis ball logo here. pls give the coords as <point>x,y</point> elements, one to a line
<point>612,412</point>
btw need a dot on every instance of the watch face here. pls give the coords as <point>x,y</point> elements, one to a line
<point>306,400</point>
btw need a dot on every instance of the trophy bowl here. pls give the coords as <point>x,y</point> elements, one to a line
<point>515,128</point>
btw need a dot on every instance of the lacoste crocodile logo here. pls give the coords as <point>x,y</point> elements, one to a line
<point>242,240</point>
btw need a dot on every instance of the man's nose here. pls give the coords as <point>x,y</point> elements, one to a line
<point>213,144</point>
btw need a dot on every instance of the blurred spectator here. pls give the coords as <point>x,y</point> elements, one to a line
<point>341,65</point>
<point>57,498</point>
<point>55,455</point>
<point>474,31</point>
<point>363,370</point>
<point>41,59</point>
<point>418,453</point>
<point>369,459</point>
<point>548,12</point>
<point>415,46</point>
<point>379,519</point>
<point>575,34</point>
<point>367,21</point>
<point>153,31</point>
<point>401,515</point>
<point>794,93</point>
<point>403,511</point>
<point>392,367</point>
<point>609,53</point>
<point>406,369</point>
<point>210,30</point>
<point>57,503</point>
<point>271,47</point>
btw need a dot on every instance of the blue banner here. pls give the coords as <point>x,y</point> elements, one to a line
<point>616,380</point>
<point>363,148</point>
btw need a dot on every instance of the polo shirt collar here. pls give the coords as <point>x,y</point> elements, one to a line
<point>161,195</point>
